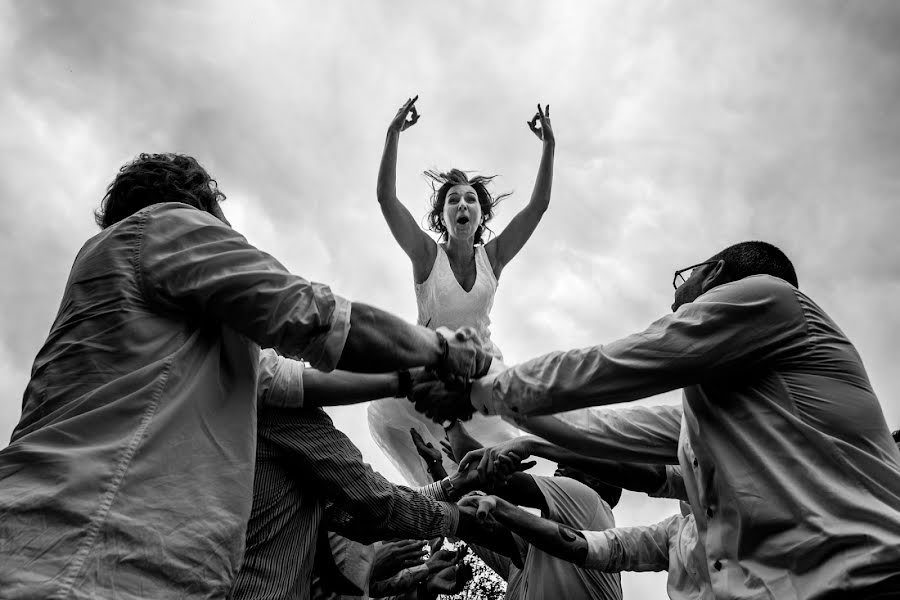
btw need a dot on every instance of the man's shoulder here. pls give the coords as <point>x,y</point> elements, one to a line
<point>573,503</point>
<point>754,290</point>
<point>754,285</point>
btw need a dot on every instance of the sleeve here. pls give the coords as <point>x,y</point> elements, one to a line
<point>366,506</point>
<point>647,434</point>
<point>673,487</point>
<point>569,502</point>
<point>739,325</point>
<point>280,382</point>
<point>188,260</point>
<point>643,548</point>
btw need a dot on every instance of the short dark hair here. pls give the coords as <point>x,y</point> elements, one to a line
<point>756,258</point>
<point>610,493</point>
<point>896,436</point>
<point>441,184</point>
<point>154,178</point>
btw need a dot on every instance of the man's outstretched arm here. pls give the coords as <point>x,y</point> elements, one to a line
<point>379,341</point>
<point>638,477</point>
<point>549,536</point>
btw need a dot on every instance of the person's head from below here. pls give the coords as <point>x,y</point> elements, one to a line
<point>154,178</point>
<point>609,493</point>
<point>731,264</point>
<point>461,206</point>
<point>896,436</point>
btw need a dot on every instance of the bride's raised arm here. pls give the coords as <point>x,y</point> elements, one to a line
<point>415,242</point>
<point>505,246</point>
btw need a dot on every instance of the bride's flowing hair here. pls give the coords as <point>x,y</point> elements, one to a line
<point>441,184</point>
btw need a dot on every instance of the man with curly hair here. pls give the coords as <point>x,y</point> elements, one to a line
<point>130,472</point>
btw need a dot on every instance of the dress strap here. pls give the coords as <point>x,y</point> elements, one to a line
<point>484,264</point>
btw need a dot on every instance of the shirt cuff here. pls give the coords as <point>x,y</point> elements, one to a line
<point>287,385</point>
<point>331,345</point>
<point>450,513</point>
<point>598,550</point>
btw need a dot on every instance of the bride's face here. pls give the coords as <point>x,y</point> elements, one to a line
<point>462,212</point>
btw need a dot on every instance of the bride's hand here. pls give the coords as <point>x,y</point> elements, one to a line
<point>400,121</point>
<point>545,131</point>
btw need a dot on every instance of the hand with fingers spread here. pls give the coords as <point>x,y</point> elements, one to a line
<point>406,116</point>
<point>430,454</point>
<point>392,557</point>
<point>453,578</point>
<point>426,450</point>
<point>540,125</point>
<point>500,461</point>
<point>440,560</point>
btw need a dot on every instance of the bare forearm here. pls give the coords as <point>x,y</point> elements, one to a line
<point>343,387</point>
<point>387,171</point>
<point>638,477</point>
<point>379,342</point>
<point>460,441</point>
<point>540,196</point>
<point>551,537</point>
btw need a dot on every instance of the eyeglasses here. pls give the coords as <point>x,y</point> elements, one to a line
<point>679,274</point>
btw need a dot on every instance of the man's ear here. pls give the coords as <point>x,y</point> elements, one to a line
<point>715,276</point>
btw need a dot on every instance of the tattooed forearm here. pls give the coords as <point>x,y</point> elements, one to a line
<point>551,537</point>
<point>578,545</point>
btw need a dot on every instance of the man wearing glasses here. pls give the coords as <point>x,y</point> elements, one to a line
<point>789,466</point>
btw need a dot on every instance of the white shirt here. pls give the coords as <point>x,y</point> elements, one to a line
<point>670,545</point>
<point>789,465</point>
<point>130,473</point>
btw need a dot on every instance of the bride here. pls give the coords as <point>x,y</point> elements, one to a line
<point>455,277</point>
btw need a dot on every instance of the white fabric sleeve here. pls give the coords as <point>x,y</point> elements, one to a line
<point>280,382</point>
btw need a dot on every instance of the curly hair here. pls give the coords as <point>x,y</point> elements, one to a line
<point>441,184</point>
<point>154,178</point>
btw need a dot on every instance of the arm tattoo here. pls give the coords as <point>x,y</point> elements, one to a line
<point>574,539</point>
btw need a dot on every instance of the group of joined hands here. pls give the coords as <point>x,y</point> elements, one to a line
<point>443,393</point>
<point>483,470</point>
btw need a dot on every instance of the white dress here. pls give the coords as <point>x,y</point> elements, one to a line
<point>441,302</point>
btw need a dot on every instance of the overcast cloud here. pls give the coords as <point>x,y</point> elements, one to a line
<point>682,127</point>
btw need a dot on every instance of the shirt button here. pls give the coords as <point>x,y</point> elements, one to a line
<point>718,565</point>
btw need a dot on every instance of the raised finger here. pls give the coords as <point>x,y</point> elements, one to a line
<point>546,111</point>
<point>540,112</point>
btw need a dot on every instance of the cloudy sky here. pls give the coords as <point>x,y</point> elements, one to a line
<point>681,127</point>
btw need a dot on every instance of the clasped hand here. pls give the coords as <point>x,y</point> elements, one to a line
<point>499,462</point>
<point>442,394</point>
